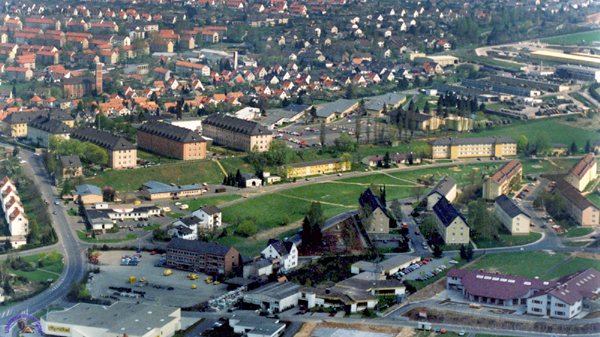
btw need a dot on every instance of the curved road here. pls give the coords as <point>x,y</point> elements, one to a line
<point>67,245</point>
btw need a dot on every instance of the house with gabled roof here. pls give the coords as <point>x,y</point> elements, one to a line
<point>121,153</point>
<point>210,217</point>
<point>452,225</point>
<point>580,208</point>
<point>583,172</point>
<point>504,181</point>
<point>445,188</point>
<point>512,216</point>
<point>285,252</point>
<point>373,213</point>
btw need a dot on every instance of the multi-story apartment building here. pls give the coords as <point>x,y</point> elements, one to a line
<point>15,124</point>
<point>578,206</point>
<point>182,67</point>
<point>121,153</point>
<point>512,216</point>
<point>452,225</point>
<point>42,128</point>
<point>205,257</point>
<point>445,188</point>
<point>457,148</point>
<point>237,133</point>
<point>315,167</point>
<point>582,173</point>
<point>504,181</point>
<point>171,141</point>
<point>18,73</point>
<point>373,213</point>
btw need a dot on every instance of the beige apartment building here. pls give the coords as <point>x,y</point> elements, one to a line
<point>503,181</point>
<point>121,153</point>
<point>512,216</point>
<point>373,213</point>
<point>15,124</point>
<point>237,133</point>
<point>457,148</point>
<point>579,207</point>
<point>582,173</point>
<point>314,168</point>
<point>451,224</point>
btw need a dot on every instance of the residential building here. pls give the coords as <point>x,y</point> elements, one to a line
<point>154,190</point>
<point>338,109</point>
<point>210,217</point>
<point>102,217</point>
<point>445,188</point>
<point>395,158</point>
<point>14,213</point>
<point>373,213</point>
<point>583,211</point>
<point>88,194</point>
<point>205,257</point>
<point>375,106</point>
<point>185,228</point>
<point>504,181</point>
<point>42,128</point>
<point>452,225</point>
<point>325,166</point>
<point>250,180</point>
<point>76,87</point>
<point>458,148</point>
<point>512,216</point>
<point>121,153</point>
<point>237,133</point>
<point>15,124</point>
<point>568,296</point>
<point>386,267</point>
<point>70,167</point>
<point>182,68</point>
<point>94,320</point>
<point>171,141</point>
<point>583,172</point>
<point>18,73</point>
<point>283,253</point>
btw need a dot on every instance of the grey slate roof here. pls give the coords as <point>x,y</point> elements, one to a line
<point>283,248</point>
<point>28,116</point>
<point>369,198</point>
<point>509,206</point>
<point>199,247</point>
<point>158,187</point>
<point>573,195</point>
<point>471,141</point>
<point>210,210</point>
<point>335,107</point>
<point>172,132</point>
<point>87,189</point>
<point>297,107</point>
<point>377,103</point>
<point>102,138</point>
<point>446,212</point>
<point>443,186</point>
<point>236,125</point>
<point>49,125</point>
<point>70,161</point>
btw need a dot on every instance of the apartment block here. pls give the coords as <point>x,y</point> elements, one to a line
<point>171,141</point>
<point>121,153</point>
<point>237,133</point>
<point>504,181</point>
<point>205,257</point>
<point>458,148</point>
<point>582,173</point>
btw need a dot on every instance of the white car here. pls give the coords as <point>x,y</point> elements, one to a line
<point>22,161</point>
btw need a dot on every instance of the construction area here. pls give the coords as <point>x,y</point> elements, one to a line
<point>331,329</point>
<point>146,282</point>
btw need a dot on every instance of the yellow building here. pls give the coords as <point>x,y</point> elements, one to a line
<point>237,133</point>
<point>15,124</point>
<point>457,148</point>
<point>314,168</point>
<point>579,59</point>
<point>338,109</point>
<point>503,181</point>
<point>512,217</point>
<point>582,173</point>
<point>583,211</point>
<point>451,224</point>
<point>373,213</point>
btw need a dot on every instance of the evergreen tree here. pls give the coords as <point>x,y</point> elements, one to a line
<point>14,92</point>
<point>469,254</point>
<point>588,147</point>
<point>573,148</point>
<point>238,178</point>
<point>305,234</point>
<point>386,160</point>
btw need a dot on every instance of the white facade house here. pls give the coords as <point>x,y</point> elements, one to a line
<point>210,217</point>
<point>286,252</point>
<point>14,213</point>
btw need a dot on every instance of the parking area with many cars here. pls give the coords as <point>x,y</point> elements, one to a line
<point>424,269</point>
<point>173,289</point>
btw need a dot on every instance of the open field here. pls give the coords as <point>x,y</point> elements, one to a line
<point>575,232</point>
<point>208,201</point>
<point>507,240</point>
<point>575,39</point>
<point>583,100</point>
<point>81,236</point>
<point>50,268</point>
<point>537,263</point>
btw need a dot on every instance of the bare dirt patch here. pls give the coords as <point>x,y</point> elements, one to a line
<point>309,327</point>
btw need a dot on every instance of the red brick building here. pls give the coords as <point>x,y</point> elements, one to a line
<point>205,257</point>
<point>171,141</point>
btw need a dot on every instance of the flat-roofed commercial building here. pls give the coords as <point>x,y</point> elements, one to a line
<point>119,319</point>
<point>205,257</point>
<point>457,148</point>
<point>237,133</point>
<point>171,141</point>
<point>504,181</point>
<point>578,73</point>
<point>566,58</point>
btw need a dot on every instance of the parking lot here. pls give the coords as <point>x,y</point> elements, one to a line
<point>112,274</point>
<point>429,267</point>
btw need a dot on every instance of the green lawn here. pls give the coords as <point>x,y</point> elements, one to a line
<point>152,227</point>
<point>507,240</point>
<point>175,215</point>
<point>184,173</point>
<point>573,266</point>
<point>250,247</point>
<point>81,236</point>
<point>52,267</point>
<point>575,243</point>
<point>142,154</point>
<point>73,212</point>
<point>594,198</point>
<point>524,264</point>
<point>209,201</point>
<point>500,63</point>
<point>575,39</point>
<point>575,232</point>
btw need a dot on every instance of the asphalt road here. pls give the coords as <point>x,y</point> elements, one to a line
<point>67,245</point>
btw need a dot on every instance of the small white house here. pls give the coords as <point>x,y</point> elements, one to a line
<point>286,252</point>
<point>210,217</point>
<point>251,181</point>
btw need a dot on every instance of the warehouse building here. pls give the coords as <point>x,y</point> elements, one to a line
<point>566,58</point>
<point>119,319</point>
<point>578,73</point>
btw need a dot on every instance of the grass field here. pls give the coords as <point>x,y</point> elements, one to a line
<point>81,236</point>
<point>52,267</point>
<point>575,232</point>
<point>73,212</point>
<point>575,243</point>
<point>507,240</point>
<point>149,156</point>
<point>575,39</point>
<point>594,198</point>
<point>250,247</point>
<point>209,201</point>
<point>499,63</point>
<point>532,264</point>
<point>175,215</point>
<point>184,173</point>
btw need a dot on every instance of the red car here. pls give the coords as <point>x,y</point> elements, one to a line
<point>153,252</point>
<point>47,202</point>
<point>526,190</point>
<point>98,233</point>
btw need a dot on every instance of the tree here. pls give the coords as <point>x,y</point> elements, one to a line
<point>437,251</point>
<point>305,234</point>
<point>357,130</point>
<point>417,191</point>
<point>16,151</point>
<point>483,222</point>
<point>542,144</point>
<point>522,144</point>
<point>573,148</point>
<point>588,147</point>
<point>94,154</point>
<point>345,143</point>
<point>14,92</point>
<point>387,160</point>
<point>66,188</point>
<point>323,134</point>
<point>34,232</point>
<point>463,252</point>
<point>316,221</point>
<point>279,153</point>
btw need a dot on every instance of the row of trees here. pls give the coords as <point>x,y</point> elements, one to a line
<point>312,224</point>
